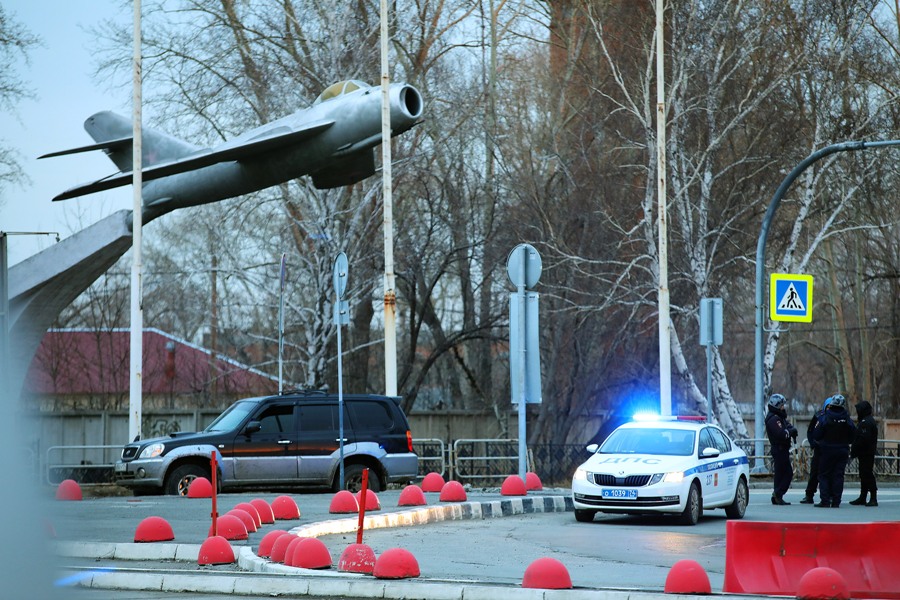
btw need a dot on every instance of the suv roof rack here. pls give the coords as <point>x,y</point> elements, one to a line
<point>303,392</point>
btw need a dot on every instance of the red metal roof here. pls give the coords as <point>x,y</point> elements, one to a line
<point>78,361</point>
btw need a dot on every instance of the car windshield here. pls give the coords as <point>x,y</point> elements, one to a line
<point>672,442</point>
<point>232,417</point>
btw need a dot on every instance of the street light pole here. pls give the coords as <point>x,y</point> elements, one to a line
<point>665,344</point>
<point>759,385</point>
<point>137,314</point>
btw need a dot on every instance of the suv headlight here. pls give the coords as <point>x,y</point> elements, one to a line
<point>674,477</point>
<point>153,450</point>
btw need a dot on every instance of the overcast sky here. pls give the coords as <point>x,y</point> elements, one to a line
<point>60,73</point>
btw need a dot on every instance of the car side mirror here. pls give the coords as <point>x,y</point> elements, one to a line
<point>252,427</point>
<point>709,452</point>
<point>592,448</point>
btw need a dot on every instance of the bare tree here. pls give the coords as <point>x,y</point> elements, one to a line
<point>15,43</point>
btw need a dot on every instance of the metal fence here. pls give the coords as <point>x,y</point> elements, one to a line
<point>485,462</point>
<point>887,458</point>
<point>84,464</point>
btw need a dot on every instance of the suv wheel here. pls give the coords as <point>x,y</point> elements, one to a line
<point>179,480</point>
<point>353,478</point>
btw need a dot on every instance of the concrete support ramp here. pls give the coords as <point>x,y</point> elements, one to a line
<point>770,558</point>
<point>41,286</point>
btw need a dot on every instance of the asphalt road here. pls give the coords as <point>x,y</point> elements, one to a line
<point>613,552</point>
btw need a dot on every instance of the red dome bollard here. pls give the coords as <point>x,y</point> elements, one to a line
<point>433,482</point>
<point>230,527</point>
<point>412,496</point>
<point>547,574</point>
<point>452,492</point>
<point>357,558</point>
<point>268,542</point>
<point>251,510</point>
<point>244,516</point>
<point>68,489</point>
<point>264,509</point>
<point>343,502</point>
<point>513,486</point>
<point>311,553</point>
<point>200,488</point>
<point>284,508</point>
<point>372,502</point>
<point>279,548</point>
<point>396,563</point>
<point>291,550</point>
<point>822,583</point>
<point>687,577</point>
<point>533,482</point>
<point>154,529</point>
<point>215,550</point>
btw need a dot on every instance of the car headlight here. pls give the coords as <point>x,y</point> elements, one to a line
<point>677,477</point>
<point>153,450</point>
<point>580,474</point>
<point>674,477</point>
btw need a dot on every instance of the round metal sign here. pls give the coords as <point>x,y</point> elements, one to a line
<point>341,268</point>
<point>524,266</point>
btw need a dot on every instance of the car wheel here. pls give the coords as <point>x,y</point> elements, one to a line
<point>180,479</point>
<point>584,516</point>
<point>693,507</point>
<point>353,478</point>
<point>736,509</point>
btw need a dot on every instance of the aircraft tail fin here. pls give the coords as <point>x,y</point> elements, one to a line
<point>113,134</point>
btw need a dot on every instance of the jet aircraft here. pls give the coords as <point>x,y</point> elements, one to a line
<point>332,141</point>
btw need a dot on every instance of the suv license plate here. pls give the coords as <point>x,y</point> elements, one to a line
<point>619,494</point>
<point>120,467</point>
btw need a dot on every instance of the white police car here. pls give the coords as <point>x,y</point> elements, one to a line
<point>677,465</point>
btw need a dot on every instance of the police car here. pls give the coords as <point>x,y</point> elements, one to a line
<point>679,466</point>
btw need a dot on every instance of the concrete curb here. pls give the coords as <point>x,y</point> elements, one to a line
<point>261,577</point>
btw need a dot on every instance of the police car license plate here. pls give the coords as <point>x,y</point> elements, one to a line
<point>619,494</point>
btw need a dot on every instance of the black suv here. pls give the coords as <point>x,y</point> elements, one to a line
<point>285,440</point>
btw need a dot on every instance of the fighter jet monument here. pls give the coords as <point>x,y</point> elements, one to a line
<point>332,141</point>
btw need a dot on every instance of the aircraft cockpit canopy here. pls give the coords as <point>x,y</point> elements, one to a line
<point>340,88</point>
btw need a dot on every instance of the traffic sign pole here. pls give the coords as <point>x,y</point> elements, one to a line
<point>339,277</point>
<point>524,270</point>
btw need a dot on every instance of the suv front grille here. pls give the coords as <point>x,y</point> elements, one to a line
<point>129,452</point>
<point>630,481</point>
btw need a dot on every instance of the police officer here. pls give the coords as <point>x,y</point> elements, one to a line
<point>863,449</point>
<point>781,433</point>
<point>834,433</point>
<point>813,482</point>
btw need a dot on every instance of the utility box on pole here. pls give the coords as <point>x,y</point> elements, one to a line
<point>711,321</point>
<point>710,335</point>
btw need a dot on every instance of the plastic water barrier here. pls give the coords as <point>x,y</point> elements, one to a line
<point>770,558</point>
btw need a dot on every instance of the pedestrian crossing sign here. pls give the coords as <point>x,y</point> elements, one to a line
<point>790,297</point>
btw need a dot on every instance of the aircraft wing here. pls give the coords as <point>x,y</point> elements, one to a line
<point>270,140</point>
<point>101,146</point>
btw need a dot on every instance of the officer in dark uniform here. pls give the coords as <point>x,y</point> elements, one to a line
<point>834,433</point>
<point>813,483</point>
<point>781,433</point>
<point>863,449</point>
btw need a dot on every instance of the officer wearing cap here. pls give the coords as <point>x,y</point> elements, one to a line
<point>834,432</point>
<point>781,433</point>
